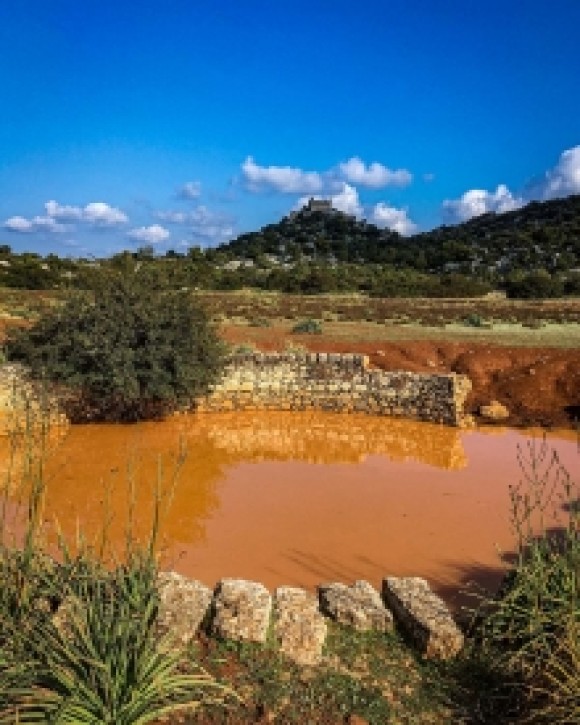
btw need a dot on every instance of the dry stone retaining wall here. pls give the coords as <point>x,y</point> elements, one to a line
<point>335,382</point>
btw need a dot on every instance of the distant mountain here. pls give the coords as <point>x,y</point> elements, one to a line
<point>541,234</point>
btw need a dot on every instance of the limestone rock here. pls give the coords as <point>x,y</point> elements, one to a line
<point>299,627</point>
<point>183,606</point>
<point>358,606</point>
<point>241,610</point>
<point>494,412</point>
<point>423,615</point>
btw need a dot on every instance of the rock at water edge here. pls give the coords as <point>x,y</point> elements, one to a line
<point>423,616</point>
<point>182,607</point>
<point>299,627</point>
<point>241,610</point>
<point>358,606</point>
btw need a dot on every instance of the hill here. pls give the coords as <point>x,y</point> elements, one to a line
<point>539,235</point>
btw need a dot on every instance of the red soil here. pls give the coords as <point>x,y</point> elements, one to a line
<point>540,386</point>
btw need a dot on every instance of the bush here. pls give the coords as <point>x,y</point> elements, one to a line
<point>125,353</point>
<point>530,631</point>
<point>307,327</point>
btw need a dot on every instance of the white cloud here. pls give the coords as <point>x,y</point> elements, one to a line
<point>347,201</point>
<point>389,217</point>
<point>564,178</point>
<point>285,179</point>
<point>190,190</point>
<point>479,201</point>
<point>19,224</point>
<point>374,176</point>
<point>36,224</point>
<point>101,214</point>
<point>153,234</point>
<point>63,213</point>
<point>97,213</point>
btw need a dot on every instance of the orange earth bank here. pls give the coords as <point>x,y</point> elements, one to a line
<point>300,498</point>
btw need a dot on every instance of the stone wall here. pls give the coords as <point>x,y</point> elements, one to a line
<point>335,382</point>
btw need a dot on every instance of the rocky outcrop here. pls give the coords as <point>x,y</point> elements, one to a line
<point>299,628</point>
<point>358,606</point>
<point>336,382</point>
<point>241,610</point>
<point>494,412</point>
<point>183,606</point>
<point>423,616</point>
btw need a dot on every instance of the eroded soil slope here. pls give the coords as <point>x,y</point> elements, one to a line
<point>540,386</point>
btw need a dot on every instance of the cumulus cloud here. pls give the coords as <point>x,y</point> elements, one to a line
<point>96,213</point>
<point>374,176</point>
<point>560,181</point>
<point>389,217</point>
<point>285,179</point>
<point>189,190</point>
<point>564,178</point>
<point>153,234</point>
<point>479,201</point>
<point>101,214</point>
<point>36,224</point>
<point>347,201</point>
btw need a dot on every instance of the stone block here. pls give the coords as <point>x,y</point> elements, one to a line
<point>358,606</point>
<point>299,627</point>
<point>494,412</point>
<point>241,610</point>
<point>183,606</point>
<point>423,616</point>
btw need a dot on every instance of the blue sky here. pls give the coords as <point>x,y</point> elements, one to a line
<point>179,122</point>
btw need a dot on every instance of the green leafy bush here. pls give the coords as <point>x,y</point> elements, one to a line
<point>307,327</point>
<point>125,353</point>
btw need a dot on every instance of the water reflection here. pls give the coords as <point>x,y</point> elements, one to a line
<point>327,438</point>
<point>103,475</point>
<point>251,500</point>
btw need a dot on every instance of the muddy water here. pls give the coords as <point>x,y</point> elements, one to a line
<point>298,498</point>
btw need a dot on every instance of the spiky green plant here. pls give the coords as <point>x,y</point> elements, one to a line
<point>78,640</point>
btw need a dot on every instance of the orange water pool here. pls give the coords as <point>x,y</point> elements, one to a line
<point>298,498</point>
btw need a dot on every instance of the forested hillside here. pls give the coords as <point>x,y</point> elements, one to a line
<point>531,252</point>
<point>539,235</point>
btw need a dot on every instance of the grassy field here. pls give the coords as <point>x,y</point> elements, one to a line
<point>254,306</point>
<point>558,335</point>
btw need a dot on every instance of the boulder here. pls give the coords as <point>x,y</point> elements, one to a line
<point>299,628</point>
<point>182,607</point>
<point>423,616</point>
<point>358,606</point>
<point>241,610</point>
<point>494,412</point>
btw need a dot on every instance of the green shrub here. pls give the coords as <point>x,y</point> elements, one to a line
<point>530,630</point>
<point>126,353</point>
<point>474,320</point>
<point>308,327</point>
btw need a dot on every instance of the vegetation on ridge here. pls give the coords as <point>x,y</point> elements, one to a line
<point>530,252</point>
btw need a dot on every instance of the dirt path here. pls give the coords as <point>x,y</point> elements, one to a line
<point>540,386</point>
